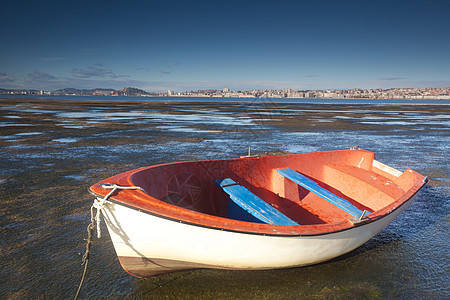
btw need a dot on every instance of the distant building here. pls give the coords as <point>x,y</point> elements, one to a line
<point>103,92</point>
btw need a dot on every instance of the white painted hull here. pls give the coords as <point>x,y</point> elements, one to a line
<point>148,245</point>
<point>174,216</point>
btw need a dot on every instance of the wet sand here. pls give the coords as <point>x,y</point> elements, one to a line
<point>52,151</point>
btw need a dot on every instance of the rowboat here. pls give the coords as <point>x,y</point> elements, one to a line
<point>251,213</point>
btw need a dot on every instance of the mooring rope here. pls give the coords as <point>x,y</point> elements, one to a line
<point>85,259</point>
<point>95,220</point>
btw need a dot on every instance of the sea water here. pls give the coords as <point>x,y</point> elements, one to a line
<point>51,151</point>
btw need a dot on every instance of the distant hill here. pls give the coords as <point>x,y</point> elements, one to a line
<point>130,91</point>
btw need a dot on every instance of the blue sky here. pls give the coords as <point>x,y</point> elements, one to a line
<point>240,45</point>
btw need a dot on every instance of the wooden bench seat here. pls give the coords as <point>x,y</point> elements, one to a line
<point>252,204</point>
<point>312,186</point>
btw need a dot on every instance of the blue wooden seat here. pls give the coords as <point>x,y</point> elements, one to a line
<point>320,191</point>
<point>252,204</point>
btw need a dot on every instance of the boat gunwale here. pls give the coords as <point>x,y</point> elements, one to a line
<point>161,209</point>
<point>368,220</point>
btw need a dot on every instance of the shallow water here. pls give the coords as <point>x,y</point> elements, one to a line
<point>52,151</point>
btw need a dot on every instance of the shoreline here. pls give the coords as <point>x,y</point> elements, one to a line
<point>405,93</point>
<point>204,100</point>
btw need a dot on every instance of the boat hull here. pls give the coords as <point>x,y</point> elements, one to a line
<point>179,216</point>
<point>149,245</point>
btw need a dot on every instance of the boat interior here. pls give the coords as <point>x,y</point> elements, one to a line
<point>304,189</point>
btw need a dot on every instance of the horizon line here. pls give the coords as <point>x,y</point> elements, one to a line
<point>222,89</point>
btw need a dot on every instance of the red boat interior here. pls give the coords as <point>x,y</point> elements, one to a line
<point>179,189</point>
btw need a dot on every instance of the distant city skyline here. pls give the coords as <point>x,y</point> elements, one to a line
<point>240,45</point>
<point>388,94</point>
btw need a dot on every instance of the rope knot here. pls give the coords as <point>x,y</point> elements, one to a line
<point>99,202</point>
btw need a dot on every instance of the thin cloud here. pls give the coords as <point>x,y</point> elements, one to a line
<point>169,67</point>
<point>53,58</point>
<point>171,63</point>
<point>87,51</point>
<point>4,78</point>
<point>311,76</point>
<point>94,72</point>
<point>90,83</point>
<point>39,80</point>
<point>392,78</point>
<point>40,76</point>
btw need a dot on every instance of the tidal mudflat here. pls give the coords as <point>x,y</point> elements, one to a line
<point>53,150</point>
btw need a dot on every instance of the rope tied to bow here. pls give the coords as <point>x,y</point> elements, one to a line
<point>99,204</point>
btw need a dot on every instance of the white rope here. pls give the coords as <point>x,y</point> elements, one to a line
<point>99,203</point>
